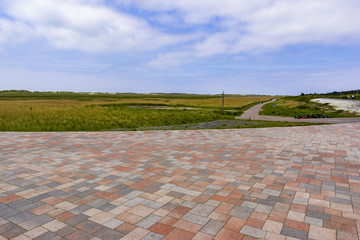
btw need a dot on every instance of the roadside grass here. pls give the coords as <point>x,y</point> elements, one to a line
<point>302,105</point>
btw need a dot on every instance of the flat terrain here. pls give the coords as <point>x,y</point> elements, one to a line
<point>32,111</point>
<point>274,183</point>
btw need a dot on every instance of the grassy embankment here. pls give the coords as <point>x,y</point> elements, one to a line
<point>302,105</point>
<point>48,111</point>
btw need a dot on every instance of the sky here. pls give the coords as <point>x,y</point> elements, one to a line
<point>283,47</point>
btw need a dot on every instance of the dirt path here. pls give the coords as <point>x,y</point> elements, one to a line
<point>253,114</point>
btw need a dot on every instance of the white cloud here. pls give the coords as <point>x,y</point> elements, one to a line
<point>85,25</point>
<point>13,31</point>
<point>196,29</point>
<point>242,26</point>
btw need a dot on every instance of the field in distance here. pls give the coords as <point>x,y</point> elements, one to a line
<point>68,111</point>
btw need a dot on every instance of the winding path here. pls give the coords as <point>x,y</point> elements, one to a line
<point>253,113</point>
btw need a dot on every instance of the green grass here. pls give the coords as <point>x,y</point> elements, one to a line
<point>30,117</point>
<point>302,105</point>
<point>68,111</point>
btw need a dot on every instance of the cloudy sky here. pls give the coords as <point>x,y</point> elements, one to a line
<point>204,46</point>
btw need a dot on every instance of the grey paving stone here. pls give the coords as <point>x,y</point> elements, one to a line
<point>153,236</point>
<point>22,217</point>
<point>291,232</point>
<point>76,219</point>
<point>47,236</point>
<point>241,212</point>
<point>152,204</point>
<point>39,197</point>
<point>113,223</point>
<point>265,202</point>
<point>108,234</point>
<point>314,221</point>
<point>107,207</point>
<point>338,200</point>
<point>13,232</point>
<point>254,232</point>
<point>8,212</point>
<point>263,208</point>
<point>271,192</point>
<point>133,202</point>
<point>97,203</point>
<point>20,203</point>
<point>80,209</point>
<point>212,227</point>
<point>318,215</point>
<point>195,219</point>
<point>30,206</point>
<point>148,221</point>
<point>202,210</point>
<point>36,221</point>
<point>65,231</point>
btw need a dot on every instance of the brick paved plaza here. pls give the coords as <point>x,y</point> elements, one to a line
<point>279,183</point>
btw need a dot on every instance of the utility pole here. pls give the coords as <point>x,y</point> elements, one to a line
<point>222,109</point>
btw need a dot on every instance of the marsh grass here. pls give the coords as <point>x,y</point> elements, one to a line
<point>79,117</point>
<point>67,111</point>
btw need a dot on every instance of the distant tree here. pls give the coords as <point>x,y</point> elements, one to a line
<point>302,94</point>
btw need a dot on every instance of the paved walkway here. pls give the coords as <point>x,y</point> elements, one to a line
<point>273,183</point>
<point>253,113</point>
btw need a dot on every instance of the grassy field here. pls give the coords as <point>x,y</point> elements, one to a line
<point>302,105</point>
<point>64,111</point>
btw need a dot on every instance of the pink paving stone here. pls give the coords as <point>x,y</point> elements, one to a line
<point>136,234</point>
<point>320,233</point>
<point>272,183</point>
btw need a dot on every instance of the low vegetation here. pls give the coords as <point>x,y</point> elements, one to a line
<point>65,111</point>
<point>302,105</point>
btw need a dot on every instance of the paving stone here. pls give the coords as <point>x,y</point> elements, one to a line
<point>65,231</point>
<point>36,221</point>
<point>195,219</point>
<point>318,215</point>
<point>107,233</point>
<point>253,232</point>
<point>8,212</point>
<point>13,232</point>
<point>295,233</point>
<point>148,221</point>
<point>212,227</point>
<point>22,217</point>
<point>153,236</point>
<point>241,212</point>
<point>236,183</point>
<point>314,221</point>
<point>202,210</point>
<point>48,235</point>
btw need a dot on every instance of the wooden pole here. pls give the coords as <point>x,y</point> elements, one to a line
<point>222,101</point>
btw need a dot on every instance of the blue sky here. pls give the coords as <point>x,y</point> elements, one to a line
<point>209,46</point>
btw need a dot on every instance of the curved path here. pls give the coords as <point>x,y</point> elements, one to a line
<point>266,183</point>
<point>253,113</point>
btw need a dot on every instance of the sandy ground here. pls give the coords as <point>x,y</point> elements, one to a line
<point>343,104</point>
